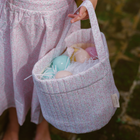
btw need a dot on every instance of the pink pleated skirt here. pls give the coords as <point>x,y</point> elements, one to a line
<point>29,29</point>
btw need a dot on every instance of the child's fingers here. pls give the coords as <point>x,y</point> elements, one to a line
<point>82,11</point>
<point>83,14</point>
<point>75,19</point>
<point>72,15</point>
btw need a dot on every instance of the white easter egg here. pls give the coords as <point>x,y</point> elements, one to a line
<point>81,56</point>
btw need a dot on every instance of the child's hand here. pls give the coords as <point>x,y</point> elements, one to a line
<point>83,13</point>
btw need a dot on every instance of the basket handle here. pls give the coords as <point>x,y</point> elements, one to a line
<point>95,29</point>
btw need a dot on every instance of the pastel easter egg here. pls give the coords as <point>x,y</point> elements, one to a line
<point>48,74</point>
<point>62,74</point>
<point>61,62</point>
<point>81,56</point>
<point>92,52</point>
<point>72,58</point>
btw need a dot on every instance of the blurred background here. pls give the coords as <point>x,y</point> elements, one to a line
<point>119,20</point>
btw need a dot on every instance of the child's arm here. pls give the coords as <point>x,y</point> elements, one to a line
<point>83,14</point>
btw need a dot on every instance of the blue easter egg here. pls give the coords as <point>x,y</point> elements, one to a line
<point>48,74</point>
<point>61,62</point>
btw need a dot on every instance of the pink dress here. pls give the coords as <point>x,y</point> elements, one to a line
<point>28,30</point>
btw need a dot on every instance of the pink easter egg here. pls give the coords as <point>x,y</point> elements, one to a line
<point>92,52</point>
<point>81,56</point>
<point>62,74</point>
